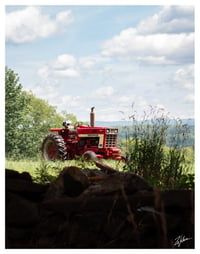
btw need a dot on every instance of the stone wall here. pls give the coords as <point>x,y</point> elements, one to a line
<point>93,209</point>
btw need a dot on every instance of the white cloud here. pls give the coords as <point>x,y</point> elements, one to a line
<point>153,48</point>
<point>68,73</point>
<point>103,79</point>
<point>165,38</point>
<point>154,60</point>
<point>64,61</point>
<point>170,19</point>
<point>29,24</point>
<point>65,66</point>
<point>64,18</point>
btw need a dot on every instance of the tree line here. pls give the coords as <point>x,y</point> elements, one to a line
<point>27,119</point>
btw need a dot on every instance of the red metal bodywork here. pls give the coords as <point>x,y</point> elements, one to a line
<point>80,139</point>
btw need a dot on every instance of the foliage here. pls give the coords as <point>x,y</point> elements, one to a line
<point>15,111</point>
<point>186,181</point>
<point>68,116</point>
<point>147,156</point>
<point>42,174</point>
<point>28,119</point>
<point>47,171</point>
<point>40,118</point>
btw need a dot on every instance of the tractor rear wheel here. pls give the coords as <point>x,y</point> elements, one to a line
<point>53,148</point>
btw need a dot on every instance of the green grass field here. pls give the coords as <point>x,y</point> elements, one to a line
<point>45,171</point>
<point>31,166</point>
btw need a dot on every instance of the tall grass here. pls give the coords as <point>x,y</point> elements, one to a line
<point>147,155</point>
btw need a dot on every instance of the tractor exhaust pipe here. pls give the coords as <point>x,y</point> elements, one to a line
<point>92,117</point>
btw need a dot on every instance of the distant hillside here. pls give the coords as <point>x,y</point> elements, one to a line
<point>189,122</point>
<point>125,130</point>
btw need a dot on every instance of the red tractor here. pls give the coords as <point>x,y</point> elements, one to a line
<point>71,142</point>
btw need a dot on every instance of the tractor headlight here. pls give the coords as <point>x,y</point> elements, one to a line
<point>116,130</point>
<point>107,130</point>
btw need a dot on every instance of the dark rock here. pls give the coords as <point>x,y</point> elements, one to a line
<point>71,182</point>
<point>16,175</point>
<point>18,233</point>
<point>23,185</point>
<point>29,190</point>
<point>178,198</point>
<point>93,172</point>
<point>20,212</point>
<point>118,211</point>
<point>131,183</point>
<point>62,205</point>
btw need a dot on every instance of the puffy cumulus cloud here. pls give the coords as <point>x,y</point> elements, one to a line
<point>68,73</point>
<point>29,24</point>
<point>64,61</point>
<point>68,66</point>
<point>65,66</point>
<point>153,41</point>
<point>153,48</point>
<point>170,19</point>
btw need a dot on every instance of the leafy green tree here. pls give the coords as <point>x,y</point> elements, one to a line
<point>40,118</point>
<point>37,123</point>
<point>28,119</point>
<point>42,115</point>
<point>72,118</point>
<point>68,116</point>
<point>15,109</point>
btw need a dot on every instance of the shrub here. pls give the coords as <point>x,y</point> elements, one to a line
<point>147,154</point>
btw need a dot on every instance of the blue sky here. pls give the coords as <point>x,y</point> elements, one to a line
<point>110,57</point>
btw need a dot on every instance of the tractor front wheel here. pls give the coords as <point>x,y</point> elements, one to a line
<point>53,148</point>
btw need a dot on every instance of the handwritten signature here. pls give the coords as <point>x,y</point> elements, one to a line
<point>180,239</point>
